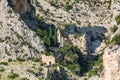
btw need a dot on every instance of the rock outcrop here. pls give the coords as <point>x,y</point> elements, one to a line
<point>111,62</point>
<point>16,38</point>
<point>111,56</point>
<point>60,38</point>
<point>92,39</point>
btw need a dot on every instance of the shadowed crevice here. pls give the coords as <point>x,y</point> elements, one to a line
<point>94,35</point>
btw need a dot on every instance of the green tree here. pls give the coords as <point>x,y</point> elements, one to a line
<point>40,32</point>
<point>117,18</point>
<point>13,75</point>
<point>116,40</point>
<point>55,37</point>
<point>114,28</point>
<point>47,41</point>
<point>50,32</point>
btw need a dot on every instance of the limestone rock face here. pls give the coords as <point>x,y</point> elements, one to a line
<point>111,62</point>
<point>111,57</point>
<point>60,38</point>
<point>92,41</point>
<point>16,38</point>
<point>79,42</point>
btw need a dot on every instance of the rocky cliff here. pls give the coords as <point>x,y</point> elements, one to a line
<point>111,59</point>
<point>16,39</point>
<point>111,62</point>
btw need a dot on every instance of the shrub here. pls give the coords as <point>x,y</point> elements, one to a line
<point>13,75</point>
<point>40,69</point>
<point>1,40</point>
<point>9,60</point>
<point>117,18</point>
<point>24,79</point>
<point>3,63</point>
<point>30,71</point>
<point>98,67</point>
<point>20,59</point>
<point>116,40</point>
<point>110,1</point>
<point>114,28</point>
<point>2,69</point>
<point>68,7</point>
<point>36,60</point>
<point>40,32</point>
<point>77,1</point>
<point>54,3</point>
<point>65,48</point>
<point>48,53</point>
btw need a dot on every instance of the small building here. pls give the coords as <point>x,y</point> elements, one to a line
<point>49,60</point>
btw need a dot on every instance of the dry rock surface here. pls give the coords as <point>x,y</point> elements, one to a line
<point>16,39</point>
<point>111,62</point>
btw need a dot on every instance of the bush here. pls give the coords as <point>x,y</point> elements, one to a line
<point>68,7</point>
<point>116,40</point>
<point>40,69</point>
<point>30,71</point>
<point>98,67</point>
<point>3,63</point>
<point>9,60</point>
<point>2,69</point>
<point>36,60</point>
<point>117,18</point>
<point>40,32</point>
<point>13,75</point>
<point>48,53</point>
<point>54,3</point>
<point>24,79</point>
<point>77,1</point>
<point>65,48</point>
<point>114,28</point>
<point>1,40</point>
<point>20,59</point>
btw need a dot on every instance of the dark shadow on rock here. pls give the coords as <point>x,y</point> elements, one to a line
<point>94,35</point>
<point>86,63</point>
<point>59,75</point>
<point>28,15</point>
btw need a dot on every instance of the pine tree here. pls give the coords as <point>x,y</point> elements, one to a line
<point>50,32</point>
<point>55,37</point>
<point>46,40</point>
<point>40,32</point>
